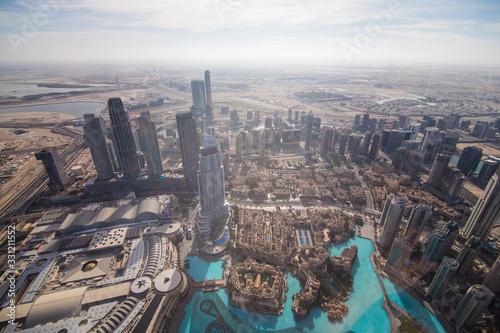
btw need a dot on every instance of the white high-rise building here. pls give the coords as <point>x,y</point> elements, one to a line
<point>211,186</point>
<point>391,219</point>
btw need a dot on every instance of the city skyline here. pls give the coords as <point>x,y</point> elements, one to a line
<point>359,33</point>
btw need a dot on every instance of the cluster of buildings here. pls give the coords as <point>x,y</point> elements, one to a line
<point>258,287</point>
<point>97,268</point>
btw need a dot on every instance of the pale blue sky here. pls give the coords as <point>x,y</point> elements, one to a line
<point>330,32</point>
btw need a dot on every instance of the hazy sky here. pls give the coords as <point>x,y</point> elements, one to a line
<point>331,32</point>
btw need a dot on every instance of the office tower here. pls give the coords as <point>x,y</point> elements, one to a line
<point>96,141</point>
<point>249,115</point>
<point>366,143</point>
<point>469,159</point>
<point>381,124</point>
<point>290,115</point>
<point>414,129</point>
<point>392,220</point>
<point>239,147</point>
<point>464,125</point>
<point>248,143</point>
<point>208,87</point>
<point>235,119</point>
<point>198,94</point>
<point>310,119</point>
<point>418,218</point>
<point>317,122</point>
<point>486,211</point>
<point>377,138</point>
<point>123,139</point>
<point>256,116</point>
<point>353,144</point>
<point>392,140</point>
<point>149,144</point>
<point>468,254</point>
<point>343,142</point>
<point>472,305</point>
<point>444,274</point>
<point>188,143</point>
<point>487,170</point>
<point>366,121</point>
<point>444,181</point>
<point>373,123</point>
<point>403,121</point>
<point>492,280</point>
<point>407,161</point>
<point>438,246</point>
<point>211,187</point>
<point>399,255</point>
<point>268,123</point>
<point>54,168</point>
<point>297,117</point>
<point>357,120</point>
<point>326,140</point>
<point>262,144</point>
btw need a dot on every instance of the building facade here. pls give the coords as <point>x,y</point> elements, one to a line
<point>188,144</point>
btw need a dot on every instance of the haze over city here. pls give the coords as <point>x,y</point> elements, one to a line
<point>253,32</point>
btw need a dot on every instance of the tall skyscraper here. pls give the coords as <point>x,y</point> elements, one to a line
<point>377,138</point>
<point>123,139</point>
<point>198,94</point>
<point>188,142</point>
<point>444,274</point>
<point>468,254</point>
<point>211,187</point>
<point>54,168</point>
<point>438,246</point>
<point>366,143</point>
<point>326,139</point>
<point>209,114</point>
<point>418,218</point>
<point>310,119</point>
<point>469,159</point>
<point>353,144</point>
<point>239,147</point>
<point>342,142</point>
<point>492,280</point>
<point>472,305</point>
<point>262,144</point>
<point>96,141</point>
<point>290,115</point>
<point>486,211</point>
<point>392,221</point>
<point>148,139</point>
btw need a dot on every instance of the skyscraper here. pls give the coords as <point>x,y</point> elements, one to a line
<point>149,144</point>
<point>198,94</point>
<point>468,254</point>
<point>438,246</point>
<point>353,144</point>
<point>96,141</point>
<point>211,187</point>
<point>209,114</point>
<point>469,159</point>
<point>326,140</point>
<point>239,147</point>
<point>188,142</point>
<point>486,211</point>
<point>418,218</point>
<point>472,305</point>
<point>366,143</point>
<point>377,138</point>
<point>54,168</point>
<point>492,280</point>
<point>444,274</point>
<point>262,144</point>
<point>392,221</point>
<point>123,139</point>
<point>310,119</point>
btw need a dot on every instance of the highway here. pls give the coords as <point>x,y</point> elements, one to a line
<point>19,201</point>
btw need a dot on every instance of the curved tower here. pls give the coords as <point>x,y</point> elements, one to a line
<point>123,139</point>
<point>211,186</point>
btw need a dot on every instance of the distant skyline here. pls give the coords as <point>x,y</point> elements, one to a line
<point>338,32</point>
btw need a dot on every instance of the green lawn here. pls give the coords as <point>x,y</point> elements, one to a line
<point>407,326</point>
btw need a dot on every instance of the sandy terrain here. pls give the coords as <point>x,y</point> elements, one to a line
<point>35,138</point>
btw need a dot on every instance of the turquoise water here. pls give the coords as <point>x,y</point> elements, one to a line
<point>405,300</point>
<point>366,313</point>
